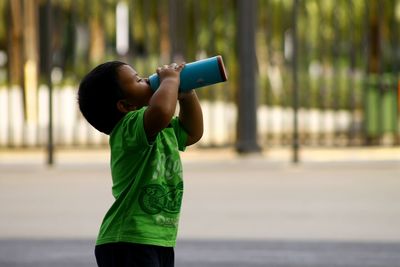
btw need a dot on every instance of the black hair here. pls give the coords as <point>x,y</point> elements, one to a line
<point>98,94</point>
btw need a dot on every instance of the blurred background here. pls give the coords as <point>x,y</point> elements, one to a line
<point>303,73</point>
<point>309,81</point>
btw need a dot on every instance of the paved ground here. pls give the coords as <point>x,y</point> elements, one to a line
<point>212,253</point>
<point>250,211</point>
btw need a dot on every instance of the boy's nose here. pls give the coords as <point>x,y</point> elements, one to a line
<point>147,80</point>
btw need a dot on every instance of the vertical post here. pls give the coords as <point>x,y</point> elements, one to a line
<point>48,66</point>
<point>372,92</point>
<point>295,138</point>
<point>350,86</point>
<point>247,106</point>
<point>175,9</point>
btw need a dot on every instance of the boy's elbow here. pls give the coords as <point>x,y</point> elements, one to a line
<point>195,137</point>
<point>163,117</point>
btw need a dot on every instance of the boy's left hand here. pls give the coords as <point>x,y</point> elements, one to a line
<point>183,95</point>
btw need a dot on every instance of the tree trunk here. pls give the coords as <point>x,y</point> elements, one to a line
<point>30,22</point>
<point>374,38</point>
<point>15,44</point>
<point>97,46</point>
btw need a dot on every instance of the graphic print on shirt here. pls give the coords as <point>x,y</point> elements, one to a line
<point>155,198</point>
<point>166,166</point>
<point>161,195</point>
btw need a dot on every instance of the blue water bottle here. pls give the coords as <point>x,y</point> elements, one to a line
<point>197,74</point>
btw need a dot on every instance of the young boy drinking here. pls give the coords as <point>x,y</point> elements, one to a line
<point>140,228</point>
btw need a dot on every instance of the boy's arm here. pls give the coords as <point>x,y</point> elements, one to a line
<point>162,104</point>
<point>191,116</point>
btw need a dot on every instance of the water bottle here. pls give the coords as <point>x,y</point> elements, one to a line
<point>197,74</point>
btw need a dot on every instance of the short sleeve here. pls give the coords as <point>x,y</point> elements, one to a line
<point>133,129</point>
<point>180,133</point>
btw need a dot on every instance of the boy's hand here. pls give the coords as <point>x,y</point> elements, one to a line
<point>171,71</point>
<point>185,94</point>
<point>162,104</point>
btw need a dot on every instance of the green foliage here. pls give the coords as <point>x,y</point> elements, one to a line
<point>332,42</point>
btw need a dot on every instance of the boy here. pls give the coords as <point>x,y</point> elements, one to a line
<point>140,228</point>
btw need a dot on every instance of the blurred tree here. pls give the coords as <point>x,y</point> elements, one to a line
<point>30,61</point>
<point>374,37</point>
<point>15,51</point>
<point>3,25</point>
<point>96,29</point>
<point>165,44</point>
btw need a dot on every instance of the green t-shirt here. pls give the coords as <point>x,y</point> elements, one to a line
<point>147,184</point>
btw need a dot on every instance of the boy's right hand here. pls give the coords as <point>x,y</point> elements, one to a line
<point>163,102</point>
<point>171,71</point>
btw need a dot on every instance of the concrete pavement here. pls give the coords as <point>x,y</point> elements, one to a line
<point>212,253</point>
<point>232,206</point>
<point>224,198</point>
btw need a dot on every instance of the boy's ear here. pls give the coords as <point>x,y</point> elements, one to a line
<point>124,106</point>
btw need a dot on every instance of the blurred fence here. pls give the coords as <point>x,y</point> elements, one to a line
<point>348,57</point>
